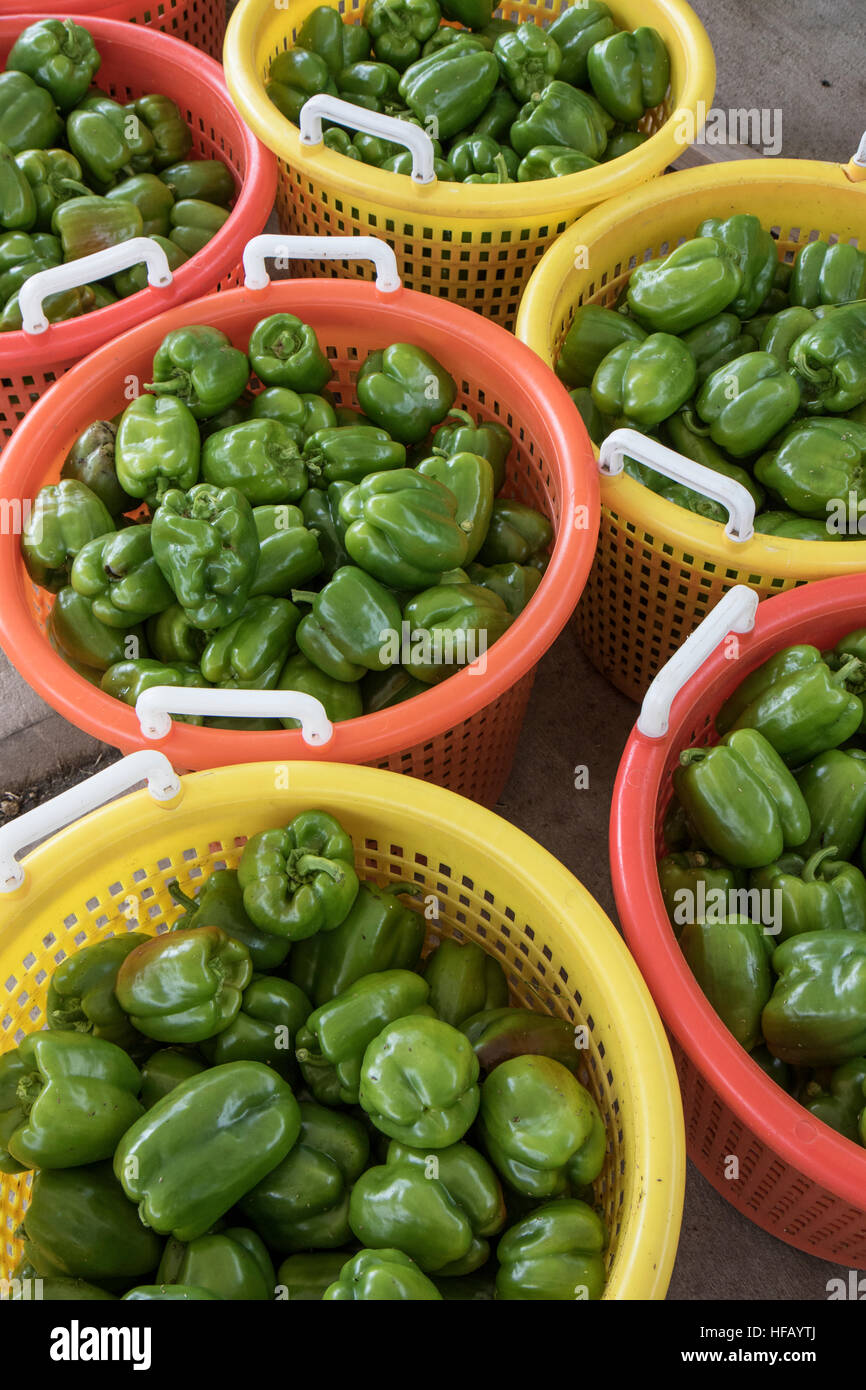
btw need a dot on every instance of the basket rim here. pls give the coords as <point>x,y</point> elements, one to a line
<point>650,1092</point>
<point>777,555</point>
<point>814,1149</point>
<point>443,202</point>
<point>63,342</point>
<point>371,736</point>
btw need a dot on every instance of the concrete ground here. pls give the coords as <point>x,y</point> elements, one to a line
<point>781,54</point>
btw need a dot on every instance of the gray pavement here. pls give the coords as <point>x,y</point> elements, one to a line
<point>779,53</point>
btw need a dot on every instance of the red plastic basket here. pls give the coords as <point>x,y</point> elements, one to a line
<point>199,22</point>
<point>136,61</point>
<point>461,734</point>
<point>798,1179</point>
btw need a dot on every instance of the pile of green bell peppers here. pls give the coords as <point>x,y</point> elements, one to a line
<point>80,172</point>
<point>293,1093</point>
<point>503,102</point>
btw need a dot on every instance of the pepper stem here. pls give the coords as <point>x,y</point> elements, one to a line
<point>692,422</point>
<point>303,596</point>
<point>462,415</point>
<point>501,169</point>
<point>414,888</point>
<point>813,864</point>
<point>178,895</point>
<point>28,1089</point>
<point>849,672</point>
<point>315,864</point>
<point>693,755</point>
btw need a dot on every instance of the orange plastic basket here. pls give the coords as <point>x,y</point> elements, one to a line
<point>798,1179</point>
<point>461,734</point>
<point>136,61</point>
<point>199,22</point>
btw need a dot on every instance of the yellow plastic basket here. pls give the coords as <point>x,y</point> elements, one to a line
<point>475,244</point>
<point>659,569</point>
<point>493,885</point>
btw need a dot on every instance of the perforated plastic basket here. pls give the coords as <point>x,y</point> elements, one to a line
<point>659,568</point>
<point>199,22</point>
<point>475,244</point>
<point>493,885</point>
<point>135,61</point>
<point>462,733</point>
<point>795,1177</point>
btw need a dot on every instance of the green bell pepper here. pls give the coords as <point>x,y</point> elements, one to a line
<point>289,554</point>
<point>560,115</point>
<point>340,699</point>
<point>438,1209</point>
<point>206,544</point>
<point>841,1103</point>
<point>199,366</point>
<point>299,880</point>
<point>99,145</point>
<point>514,584</point>
<point>499,1034</point>
<point>384,689</point>
<point>341,142</point>
<point>81,636</point>
<point>629,72</point>
<point>470,478</point>
<point>777,1070</point>
<point>498,116</point>
<point>205,180</point>
<point>173,639</point>
<point>29,120</point>
<point>194,222</point>
<point>59,1290</point>
<point>279,403</point>
<point>260,458</point>
<point>304,1278</point>
<point>165,1069</point>
<point>60,56</point>
<point>818,893</point>
<point>63,519</point>
<point>401,528</point>
<point>405,391</point>
<point>347,453</point>
<point>689,877</point>
<point>804,713</point>
<point>593,333</point>
<point>120,127</point>
<point>89,224</point>
<point>118,573</point>
<point>646,381</point>
<point>552,162</point>
<point>351,620</point>
<point>398,28</point>
<point>330,1046</point>
<point>447,92</point>
<point>528,58</point>
<point>79,1225</point>
<point>233,1264</point>
<point>746,402</point>
<point>716,342</point>
<point>251,652</point>
<point>479,154</point>
<point>450,626</point>
<point>816,465</point>
<point>419,1082</point>
<point>220,904</point>
<point>172,136</point>
<point>57,308</point>
<point>729,960</point>
<point>81,995</point>
<point>831,359</point>
<point>783,664</point>
<point>152,198</point>
<point>381,1276</point>
<point>133,280</point>
<point>541,1127</point>
<point>575,32</point>
<point>702,450</point>
<point>623,143</point>
<point>755,252</point>
<point>517,535</point>
<point>825,274</point>
<point>303,1203</point>
<point>783,329</point>
<point>320,510</point>
<point>294,77</point>
<point>91,461</point>
<point>265,1029</point>
<point>284,351</point>
<point>690,285</point>
<point>184,986</point>
<point>488,439</point>
<point>195,1153</point>
<point>372,86</point>
<point>380,933</point>
<point>170,1293</point>
<point>464,980</point>
<point>401,163</point>
<point>834,789</point>
<point>553,1254</point>
<point>816,1015</point>
<point>22,255</point>
<point>126,680</point>
<point>17,203</point>
<point>324,32</point>
<point>66,1098</point>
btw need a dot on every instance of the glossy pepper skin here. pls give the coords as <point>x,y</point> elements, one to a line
<point>398,28</point>
<point>746,402</point>
<point>556,1253</point>
<point>464,980</point>
<point>384,689</point>
<point>514,584</point>
<point>264,1030</point>
<point>119,575</point>
<point>825,274</point>
<point>647,381</point>
<point>783,329</point>
<point>593,333</point>
<point>195,1153</point>
<point>351,617</point>
<point>165,1069</point>
<point>91,461</point>
<point>194,222</point>
<point>807,712</point>
<point>381,1276</point>
<point>81,636</point>
<point>575,31</point>
<point>330,1046</point>
<point>80,1225</point>
<point>173,639</point>
<point>541,1128</point>
<point>17,203</point>
<point>206,544</point>
<point>450,626</point>
<point>60,56</point>
<point>379,933</point>
<point>126,680</point>
<point>171,135</point>
<point>157,448</point>
<point>470,478</point>
<point>560,115</point>
<point>629,72</point>
<point>289,553</point>
<point>233,1264</point>
<point>474,155</point>
<point>517,535</point>
<point>304,1278</point>
<point>63,519</point>
<point>341,699</point>
<point>251,652</point>
<point>260,458</point>
<point>284,351</point>
<point>440,1213</point>
<point>66,1099</point>
<point>28,117</point>
<point>499,1034</point>
<point>206,179</point>
<point>680,877</point>
<point>405,391</point>
<point>22,254</point>
<point>841,1103</point>
<point>299,880</point>
<point>834,789</point>
<point>81,995</point>
<point>487,438</point>
<point>447,92</point>
<point>303,1203</point>
<point>372,85</point>
<point>220,904</point>
<point>815,463</point>
<point>324,32</point>
<point>320,510</point>
<point>199,366</point>
<point>184,986</point>
<point>294,77</point>
<point>782,664</point>
<point>693,283</point>
<point>818,893</point>
<point>401,528</point>
<point>347,453</point>
<point>58,308</point>
<point>419,1082</point>
<point>831,359</point>
<point>498,115</point>
<point>815,1016</point>
<point>728,958</point>
<point>528,58</point>
<point>755,252</point>
<point>700,448</point>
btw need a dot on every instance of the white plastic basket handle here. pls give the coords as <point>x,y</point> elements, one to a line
<point>732,495</point>
<point>87,269</point>
<point>860,157</point>
<point>319,248</point>
<point>733,613</point>
<point>155,706</point>
<point>146,766</point>
<point>416,140</point>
